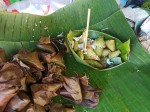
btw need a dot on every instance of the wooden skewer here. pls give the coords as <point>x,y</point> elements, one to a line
<point>87,29</point>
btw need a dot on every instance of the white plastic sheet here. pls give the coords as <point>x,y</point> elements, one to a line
<point>2,5</point>
<point>38,7</point>
<point>145,27</point>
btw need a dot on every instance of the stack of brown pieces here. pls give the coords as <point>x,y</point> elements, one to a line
<point>30,80</point>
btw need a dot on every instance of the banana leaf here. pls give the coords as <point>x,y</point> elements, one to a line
<point>123,47</point>
<point>146,4</point>
<point>125,88</point>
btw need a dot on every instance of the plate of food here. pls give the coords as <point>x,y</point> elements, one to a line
<point>103,51</point>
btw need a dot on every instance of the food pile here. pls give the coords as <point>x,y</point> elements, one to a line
<point>100,52</point>
<point>30,80</point>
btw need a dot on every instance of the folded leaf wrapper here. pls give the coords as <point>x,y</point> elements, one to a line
<point>90,94</point>
<point>124,48</point>
<point>79,91</point>
<point>72,89</point>
<point>18,102</point>
<point>36,77</point>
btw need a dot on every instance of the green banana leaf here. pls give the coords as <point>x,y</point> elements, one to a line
<point>146,4</point>
<point>123,47</point>
<point>125,88</point>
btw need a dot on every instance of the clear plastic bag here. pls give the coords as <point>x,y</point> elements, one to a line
<point>38,7</point>
<point>3,6</point>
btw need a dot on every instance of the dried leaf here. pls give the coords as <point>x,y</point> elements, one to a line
<point>48,79</point>
<point>9,72</point>
<point>69,109</point>
<point>34,108</point>
<point>90,95</point>
<point>45,87</point>
<point>11,83</point>
<point>5,96</point>
<point>46,56</point>
<point>58,59</point>
<point>43,93</point>
<point>56,107</point>
<point>24,51</point>
<point>29,77</point>
<point>31,59</point>
<point>27,72</point>
<point>43,97</point>
<point>2,55</point>
<point>23,84</point>
<point>37,75</point>
<point>23,65</point>
<point>45,40</point>
<point>72,88</point>
<point>18,102</point>
<point>53,68</point>
<point>53,78</point>
<point>84,81</point>
<point>60,45</point>
<point>48,48</point>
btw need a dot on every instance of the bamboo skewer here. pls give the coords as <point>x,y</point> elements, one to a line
<point>87,29</point>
